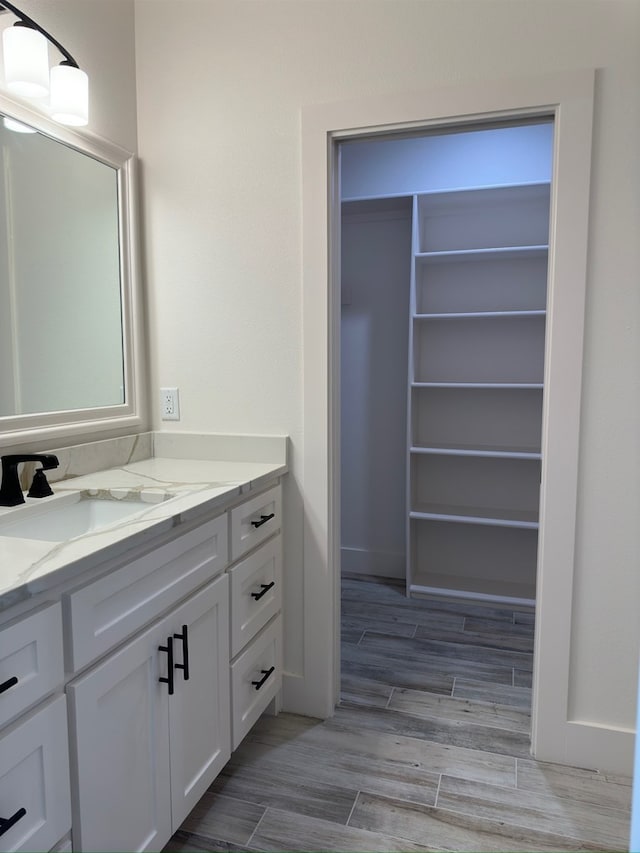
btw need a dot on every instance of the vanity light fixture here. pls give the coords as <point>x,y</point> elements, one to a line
<point>26,70</point>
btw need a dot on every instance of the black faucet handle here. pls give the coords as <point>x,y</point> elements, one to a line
<point>10,490</point>
<point>40,487</point>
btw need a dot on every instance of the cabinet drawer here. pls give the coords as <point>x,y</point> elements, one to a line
<point>256,593</point>
<point>34,780</point>
<point>107,611</point>
<point>254,521</point>
<point>31,660</point>
<point>256,677</point>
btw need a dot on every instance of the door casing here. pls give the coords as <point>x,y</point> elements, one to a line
<point>568,98</point>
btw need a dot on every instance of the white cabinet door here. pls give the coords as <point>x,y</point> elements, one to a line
<point>120,750</point>
<point>145,751</point>
<point>199,723</point>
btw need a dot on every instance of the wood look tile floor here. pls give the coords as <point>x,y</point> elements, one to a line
<point>428,750</point>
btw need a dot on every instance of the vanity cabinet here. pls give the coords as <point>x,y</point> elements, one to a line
<point>150,727</point>
<point>180,652</point>
<point>167,658</point>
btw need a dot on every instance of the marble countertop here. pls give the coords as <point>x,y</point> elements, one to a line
<point>177,490</point>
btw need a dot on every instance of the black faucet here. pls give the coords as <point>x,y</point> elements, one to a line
<point>10,489</point>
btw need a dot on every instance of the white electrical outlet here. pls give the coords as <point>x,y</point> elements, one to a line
<point>170,404</point>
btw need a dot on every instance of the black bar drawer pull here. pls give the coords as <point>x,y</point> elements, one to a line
<point>265,589</point>
<point>184,636</point>
<point>7,822</point>
<point>169,650</point>
<point>265,674</point>
<point>10,682</point>
<point>263,520</point>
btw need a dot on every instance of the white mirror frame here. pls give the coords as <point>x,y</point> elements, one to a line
<point>128,416</point>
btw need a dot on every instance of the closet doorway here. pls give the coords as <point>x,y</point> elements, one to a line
<point>313,687</point>
<point>444,253</point>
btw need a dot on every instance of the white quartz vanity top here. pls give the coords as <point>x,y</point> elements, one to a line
<point>177,490</point>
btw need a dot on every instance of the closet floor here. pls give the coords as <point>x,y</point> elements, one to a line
<point>428,750</point>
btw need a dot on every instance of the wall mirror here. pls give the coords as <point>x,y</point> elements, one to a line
<point>68,318</point>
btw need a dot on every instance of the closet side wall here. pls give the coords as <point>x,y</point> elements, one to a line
<point>376,264</point>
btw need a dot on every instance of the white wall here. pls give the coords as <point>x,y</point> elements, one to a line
<point>220,87</point>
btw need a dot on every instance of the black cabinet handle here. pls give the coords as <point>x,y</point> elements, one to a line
<point>265,589</point>
<point>10,682</point>
<point>7,822</point>
<point>265,674</point>
<point>263,520</point>
<point>184,666</point>
<point>169,650</point>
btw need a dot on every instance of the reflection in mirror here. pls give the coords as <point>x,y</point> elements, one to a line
<point>61,332</point>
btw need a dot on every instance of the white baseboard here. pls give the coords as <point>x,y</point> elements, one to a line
<point>384,564</point>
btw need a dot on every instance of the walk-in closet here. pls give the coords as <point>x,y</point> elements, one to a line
<point>444,250</point>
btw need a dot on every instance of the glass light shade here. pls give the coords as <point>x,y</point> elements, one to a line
<point>17,126</point>
<point>26,62</point>
<point>69,95</point>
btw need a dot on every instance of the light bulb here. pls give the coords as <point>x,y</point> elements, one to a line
<point>26,61</point>
<point>69,95</point>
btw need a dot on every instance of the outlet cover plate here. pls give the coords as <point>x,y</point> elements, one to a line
<point>170,404</point>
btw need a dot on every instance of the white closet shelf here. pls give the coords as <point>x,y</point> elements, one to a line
<point>525,519</point>
<point>492,253</point>
<point>476,347</point>
<point>499,592</point>
<point>534,386</point>
<point>492,452</point>
<point>480,315</point>
<point>377,199</point>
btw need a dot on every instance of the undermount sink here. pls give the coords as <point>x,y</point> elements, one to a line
<point>68,516</point>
